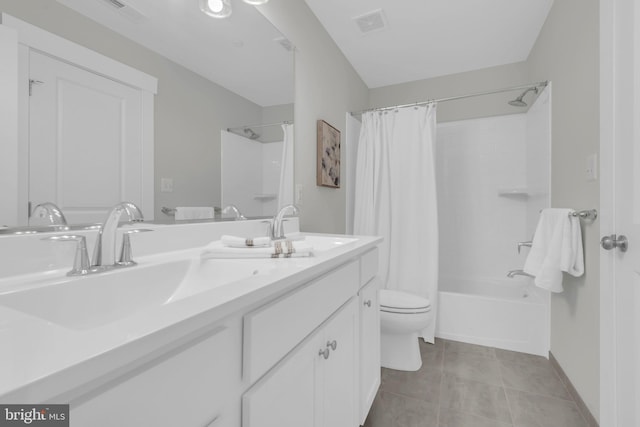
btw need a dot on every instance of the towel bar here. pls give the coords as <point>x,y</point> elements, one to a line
<point>591,214</point>
<point>168,211</point>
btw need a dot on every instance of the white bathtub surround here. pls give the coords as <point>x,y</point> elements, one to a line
<point>557,247</point>
<point>395,197</point>
<point>493,177</point>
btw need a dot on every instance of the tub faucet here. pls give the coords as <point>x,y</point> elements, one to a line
<point>277,229</point>
<point>49,212</point>
<point>104,253</point>
<point>514,273</point>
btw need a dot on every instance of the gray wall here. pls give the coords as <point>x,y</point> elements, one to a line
<point>326,87</point>
<point>189,110</point>
<point>459,84</point>
<point>567,53</point>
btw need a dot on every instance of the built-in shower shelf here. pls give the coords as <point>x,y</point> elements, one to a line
<point>265,197</point>
<point>514,192</point>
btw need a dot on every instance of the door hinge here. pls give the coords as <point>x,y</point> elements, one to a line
<point>33,82</point>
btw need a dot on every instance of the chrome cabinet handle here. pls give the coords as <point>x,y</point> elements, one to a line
<point>368,303</point>
<point>332,344</point>
<point>614,241</point>
<point>324,353</point>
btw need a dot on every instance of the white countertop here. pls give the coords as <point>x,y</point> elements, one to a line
<point>41,361</point>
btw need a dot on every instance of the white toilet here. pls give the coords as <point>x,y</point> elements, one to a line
<point>402,316</point>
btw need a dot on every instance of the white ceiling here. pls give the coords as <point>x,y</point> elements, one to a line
<point>430,38</point>
<point>238,53</point>
<point>422,39</point>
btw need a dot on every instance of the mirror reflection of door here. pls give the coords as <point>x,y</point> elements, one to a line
<point>85,140</point>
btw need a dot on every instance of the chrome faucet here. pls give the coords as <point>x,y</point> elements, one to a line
<point>235,210</point>
<point>49,212</point>
<point>104,253</point>
<point>514,273</point>
<point>277,229</point>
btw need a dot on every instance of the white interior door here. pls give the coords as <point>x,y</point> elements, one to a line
<point>620,206</point>
<point>85,140</point>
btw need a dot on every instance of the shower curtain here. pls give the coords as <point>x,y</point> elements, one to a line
<point>285,189</point>
<point>395,197</point>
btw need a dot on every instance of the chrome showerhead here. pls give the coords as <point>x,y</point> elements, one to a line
<point>518,102</point>
<point>250,133</point>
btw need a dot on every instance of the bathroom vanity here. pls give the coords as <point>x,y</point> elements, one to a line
<point>182,339</point>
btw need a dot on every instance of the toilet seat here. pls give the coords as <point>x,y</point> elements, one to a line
<point>392,301</point>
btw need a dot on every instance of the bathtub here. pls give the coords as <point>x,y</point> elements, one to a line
<point>511,314</point>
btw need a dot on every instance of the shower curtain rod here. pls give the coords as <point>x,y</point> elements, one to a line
<point>286,122</point>
<point>453,98</point>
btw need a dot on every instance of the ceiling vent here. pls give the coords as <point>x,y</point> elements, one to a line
<point>125,10</point>
<point>370,22</point>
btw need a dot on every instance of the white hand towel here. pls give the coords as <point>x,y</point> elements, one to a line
<point>241,242</point>
<point>556,247</point>
<point>194,212</point>
<point>280,249</point>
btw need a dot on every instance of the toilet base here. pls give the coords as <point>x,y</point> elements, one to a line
<point>400,351</point>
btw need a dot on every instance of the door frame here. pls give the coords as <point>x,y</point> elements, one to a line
<point>31,37</point>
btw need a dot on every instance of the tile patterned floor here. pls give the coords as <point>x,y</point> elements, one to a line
<point>466,385</point>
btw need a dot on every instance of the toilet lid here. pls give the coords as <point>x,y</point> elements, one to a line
<point>403,302</point>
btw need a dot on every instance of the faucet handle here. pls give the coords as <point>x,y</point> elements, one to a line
<point>125,253</point>
<point>81,264</point>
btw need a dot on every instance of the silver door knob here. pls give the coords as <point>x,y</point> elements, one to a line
<point>332,344</point>
<point>324,353</point>
<point>368,303</point>
<point>614,241</point>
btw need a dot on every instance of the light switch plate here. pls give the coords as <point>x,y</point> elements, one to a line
<point>166,185</point>
<point>592,167</point>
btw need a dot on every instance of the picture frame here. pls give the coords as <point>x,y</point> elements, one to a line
<point>328,156</point>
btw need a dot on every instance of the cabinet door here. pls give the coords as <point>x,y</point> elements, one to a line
<point>287,396</point>
<point>369,346</point>
<point>340,369</point>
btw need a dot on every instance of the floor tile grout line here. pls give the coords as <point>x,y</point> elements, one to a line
<point>506,396</point>
<point>540,394</point>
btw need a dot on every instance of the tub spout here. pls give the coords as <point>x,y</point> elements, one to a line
<point>514,273</point>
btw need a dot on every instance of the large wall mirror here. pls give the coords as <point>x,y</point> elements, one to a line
<point>224,104</point>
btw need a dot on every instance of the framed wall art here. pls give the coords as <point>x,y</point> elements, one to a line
<point>328,167</point>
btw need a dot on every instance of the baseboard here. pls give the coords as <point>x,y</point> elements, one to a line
<point>586,413</point>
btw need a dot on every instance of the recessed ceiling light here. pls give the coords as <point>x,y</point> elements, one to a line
<point>256,2</point>
<point>216,8</point>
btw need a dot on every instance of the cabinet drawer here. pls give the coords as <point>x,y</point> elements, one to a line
<point>192,385</point>
<point>368,266</point>
<point>273,330</point>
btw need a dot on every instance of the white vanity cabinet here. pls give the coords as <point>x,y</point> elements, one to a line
<point>315,385</point>
<point>194,384</point>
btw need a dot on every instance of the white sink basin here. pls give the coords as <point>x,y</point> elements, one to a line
<point>327,243</point>
<point>211,273</point>
<point>99,299</point>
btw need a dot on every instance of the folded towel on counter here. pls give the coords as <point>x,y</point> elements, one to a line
<point>193,212</point>
<point>279,249</point>
<point>556,247</point>
<point>241,242</point>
